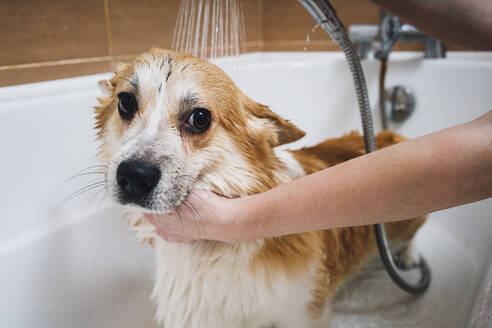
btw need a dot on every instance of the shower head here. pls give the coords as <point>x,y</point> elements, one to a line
<point>325,15</point>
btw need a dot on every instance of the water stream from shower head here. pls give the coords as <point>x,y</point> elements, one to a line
<point>210,28</point>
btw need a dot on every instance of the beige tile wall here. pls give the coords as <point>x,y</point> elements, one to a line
<point>51,39</point>
<point>287,25</point>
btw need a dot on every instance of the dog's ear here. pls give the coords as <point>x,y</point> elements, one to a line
<point>118,66</point>
<point>106,87</point>
<point>285,131</point>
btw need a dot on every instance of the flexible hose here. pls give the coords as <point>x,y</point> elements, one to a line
<point>390,265</point>
<point>381,239</point>
<point>382,81</point>
<point>360,89</point>
<point>326,16</point>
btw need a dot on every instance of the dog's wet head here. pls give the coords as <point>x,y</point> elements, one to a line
<point>168,121</point>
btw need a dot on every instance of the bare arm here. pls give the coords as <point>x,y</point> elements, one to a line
<point>465,23</point>
<point>437,171</point>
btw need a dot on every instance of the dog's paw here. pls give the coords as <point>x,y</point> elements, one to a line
<point>145,231</point>
<point>407,257</point>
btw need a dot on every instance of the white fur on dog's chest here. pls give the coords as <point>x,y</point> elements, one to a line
<point>194,289</point>
<point>203,284</point>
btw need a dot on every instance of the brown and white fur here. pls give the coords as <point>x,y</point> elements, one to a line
<point>276,282</point>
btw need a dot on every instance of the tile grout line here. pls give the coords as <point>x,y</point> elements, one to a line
<point>261,13</point>
<point>85,60</point>
<point>300,42</point>
<point>258,45</point>
<point>107,22</point>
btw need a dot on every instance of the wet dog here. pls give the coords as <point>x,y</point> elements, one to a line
<point>169,122</point>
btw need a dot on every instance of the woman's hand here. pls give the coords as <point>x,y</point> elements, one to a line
<point>203,215</point>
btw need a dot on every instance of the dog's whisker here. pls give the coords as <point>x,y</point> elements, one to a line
<point>196,195</point>
<point>102,200</point>
<point>92,184</point>
<point>80,174</point>
<point>186,204</point>
<point>64,184</point>
<point>79,192</point>
<point>82,190</point>
<point>181,222</point>
<point>95,195</point>
<point>198,221</point>
<point>83,174</point>
<point>92,167</point>
<point>201,199</point>
<point>194,208</point>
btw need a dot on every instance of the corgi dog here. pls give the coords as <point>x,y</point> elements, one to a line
<point>169,122</point>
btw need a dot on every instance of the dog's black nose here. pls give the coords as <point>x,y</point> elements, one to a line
<point>136,178</point>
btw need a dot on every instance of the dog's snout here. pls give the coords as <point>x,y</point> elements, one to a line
<point>137,178</point>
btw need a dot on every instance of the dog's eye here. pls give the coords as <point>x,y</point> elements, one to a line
<point>127,105</point>
<point>199,120</point>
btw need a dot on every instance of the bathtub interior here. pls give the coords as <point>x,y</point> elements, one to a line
<point>78,265</point>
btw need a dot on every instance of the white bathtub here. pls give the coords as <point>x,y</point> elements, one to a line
<point>78,266</point>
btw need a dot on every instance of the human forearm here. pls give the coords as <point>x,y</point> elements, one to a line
<point>437,171</point>
<point>444,169</point>
<point>465,23</point>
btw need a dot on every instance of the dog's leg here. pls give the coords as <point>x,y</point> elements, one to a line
<point>400,236</point>
<point>407,256</point>
<point>145,231</point>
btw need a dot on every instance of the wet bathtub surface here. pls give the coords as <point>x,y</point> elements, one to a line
<point>372,300</point>
<point>89,274</point>
<point>95,274</point>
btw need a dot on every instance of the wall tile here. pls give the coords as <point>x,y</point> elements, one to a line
<point>287,25</point>
<point>288,20</point>
<point>253,16</point>
<point>139,25</point>
<point>46,73</point>
<point>39,31</point>
<point>46,30</point>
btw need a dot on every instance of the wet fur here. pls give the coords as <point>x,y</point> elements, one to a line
<point>283,282</point>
